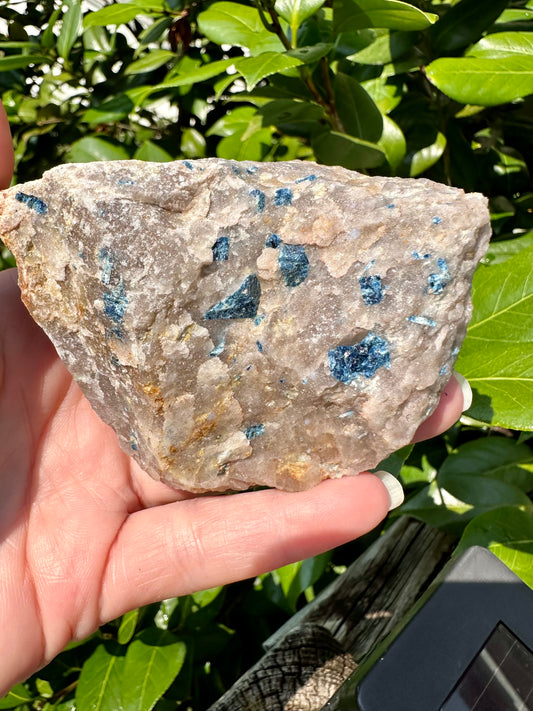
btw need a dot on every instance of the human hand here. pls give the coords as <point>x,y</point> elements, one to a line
<point>85,535</point>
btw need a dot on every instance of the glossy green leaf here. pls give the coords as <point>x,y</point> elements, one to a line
<point>385,95</point>
<point>483,81</point>
<point>151,664</point>
<point>230,23</point>
<point>494,457</point>
<point>359,114</point>
<point>235,121</point>
<point>21,61</point>
<point>110,111</point>
<point>497,354</point>
<point>119,13</point>
<point>516,16</point>
<point>70,28</point>
<point>387,47</point>
<point>464,24</point>
<point>502,251</point>
<point>392,142</point>
<point>192,76</point>
<point>192,143</point>
<point>248,145</point>
<point>254,69</point>
<point>508,533</point>
<point>334,148</point>
<point>296,11</point>
<point>311,53</point>
<point>422,159</point>
<point>48,38</point>
<point>152,60</point>
<point>127,626</point>
<point>294,118</point>
<point>502,43</point>
<point>16,697</point>
<point>352,15</point>
<point>100,680</point>
<point>92,148</point>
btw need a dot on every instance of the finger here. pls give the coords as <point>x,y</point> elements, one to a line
<point>6,151</point>
<point>454,400</point>
<point>201,543</point>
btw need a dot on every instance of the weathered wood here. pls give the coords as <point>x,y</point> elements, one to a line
<point>354,614</point>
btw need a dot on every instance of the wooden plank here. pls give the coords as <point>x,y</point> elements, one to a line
<point>350,617</point>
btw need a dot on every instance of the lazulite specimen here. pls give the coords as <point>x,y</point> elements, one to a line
<point>246,324</point>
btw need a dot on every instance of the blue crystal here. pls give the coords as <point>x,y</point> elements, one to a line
<point>254,431</point>
<point>259,195</point>
<point>283,197</point>
<point>243,303</point>
<point>294,264</point>
<point>422,321</point>
<point>371,289</point>
<point>364,358</point>
<point>221,250</point>
<point>273,241</point>
<point>32,202</point>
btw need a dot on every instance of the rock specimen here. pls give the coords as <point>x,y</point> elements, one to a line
<point>245,324</point>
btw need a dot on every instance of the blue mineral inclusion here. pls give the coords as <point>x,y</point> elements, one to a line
<point>436,220</point>
<point>273,241</point>
<point>310,178</point>
<point>125,181</point>
<point>254,431</point>
<point>258,319</point>
<point>438,281</point>
<point>221,250</point>
<point>259,346</point>
<point>294,264</point>
<point>283,197</point>
<point>422,321</point>
<point>243,303</point>
<point>346,363</point>
<point>134,442</point>
<point>252,169</point>
<point>371,289</point>
<point>217,350</point>
<point>443,370</point>
<point>417,255</point>
<point>259,195</point>
<point>188,164</point>
<point>33,202</point>
<point>115,303</point>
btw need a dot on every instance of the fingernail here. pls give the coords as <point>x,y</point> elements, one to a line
<point>466,390</point>
<point>394,488</point>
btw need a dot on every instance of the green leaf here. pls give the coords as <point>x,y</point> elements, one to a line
<point>311,53</point>
<point>501,251</point>
<point>92,148</point>
<point>508,533</point>
<point>422,159</point>
<point>21,61</point>
<point>110,111</point>
<point>70,29</point>
<point>502,43</point>
<point>99,683</point>
<point>392,142</point>
<point>236,121</point>
<point>152,60</point>
<point>152,152</point>
<point>359,114</point>
<point>483,81</point>
<point>333,148</point>
<point>352,15</point>
<point>387,47</point>
<point>248,145</point>
<point>253,69</point>
<point>119,14</point>
<point>230,23</point>
<point>464,24</point>
<point>294,118</point>
<point>497,354</point>
<point>192,76</point>
<point>296,11</point>
<point>127,626</point>
<point>152,662</point>
<point>495,457</point>
<point>192,143</point>
<point>16,697</point>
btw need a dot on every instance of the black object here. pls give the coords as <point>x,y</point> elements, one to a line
<point>467,646</point>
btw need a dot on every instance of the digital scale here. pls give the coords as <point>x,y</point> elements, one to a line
<point>467,646</point>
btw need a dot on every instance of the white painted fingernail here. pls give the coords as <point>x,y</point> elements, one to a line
<point>466,390</point>
<point>394,488</point>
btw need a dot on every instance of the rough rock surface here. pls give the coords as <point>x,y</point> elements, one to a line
<point>246,324</point>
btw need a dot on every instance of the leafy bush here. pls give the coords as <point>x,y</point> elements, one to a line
<point>436,89</point>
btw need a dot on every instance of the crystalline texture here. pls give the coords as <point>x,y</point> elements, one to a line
<point>246,324</point>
